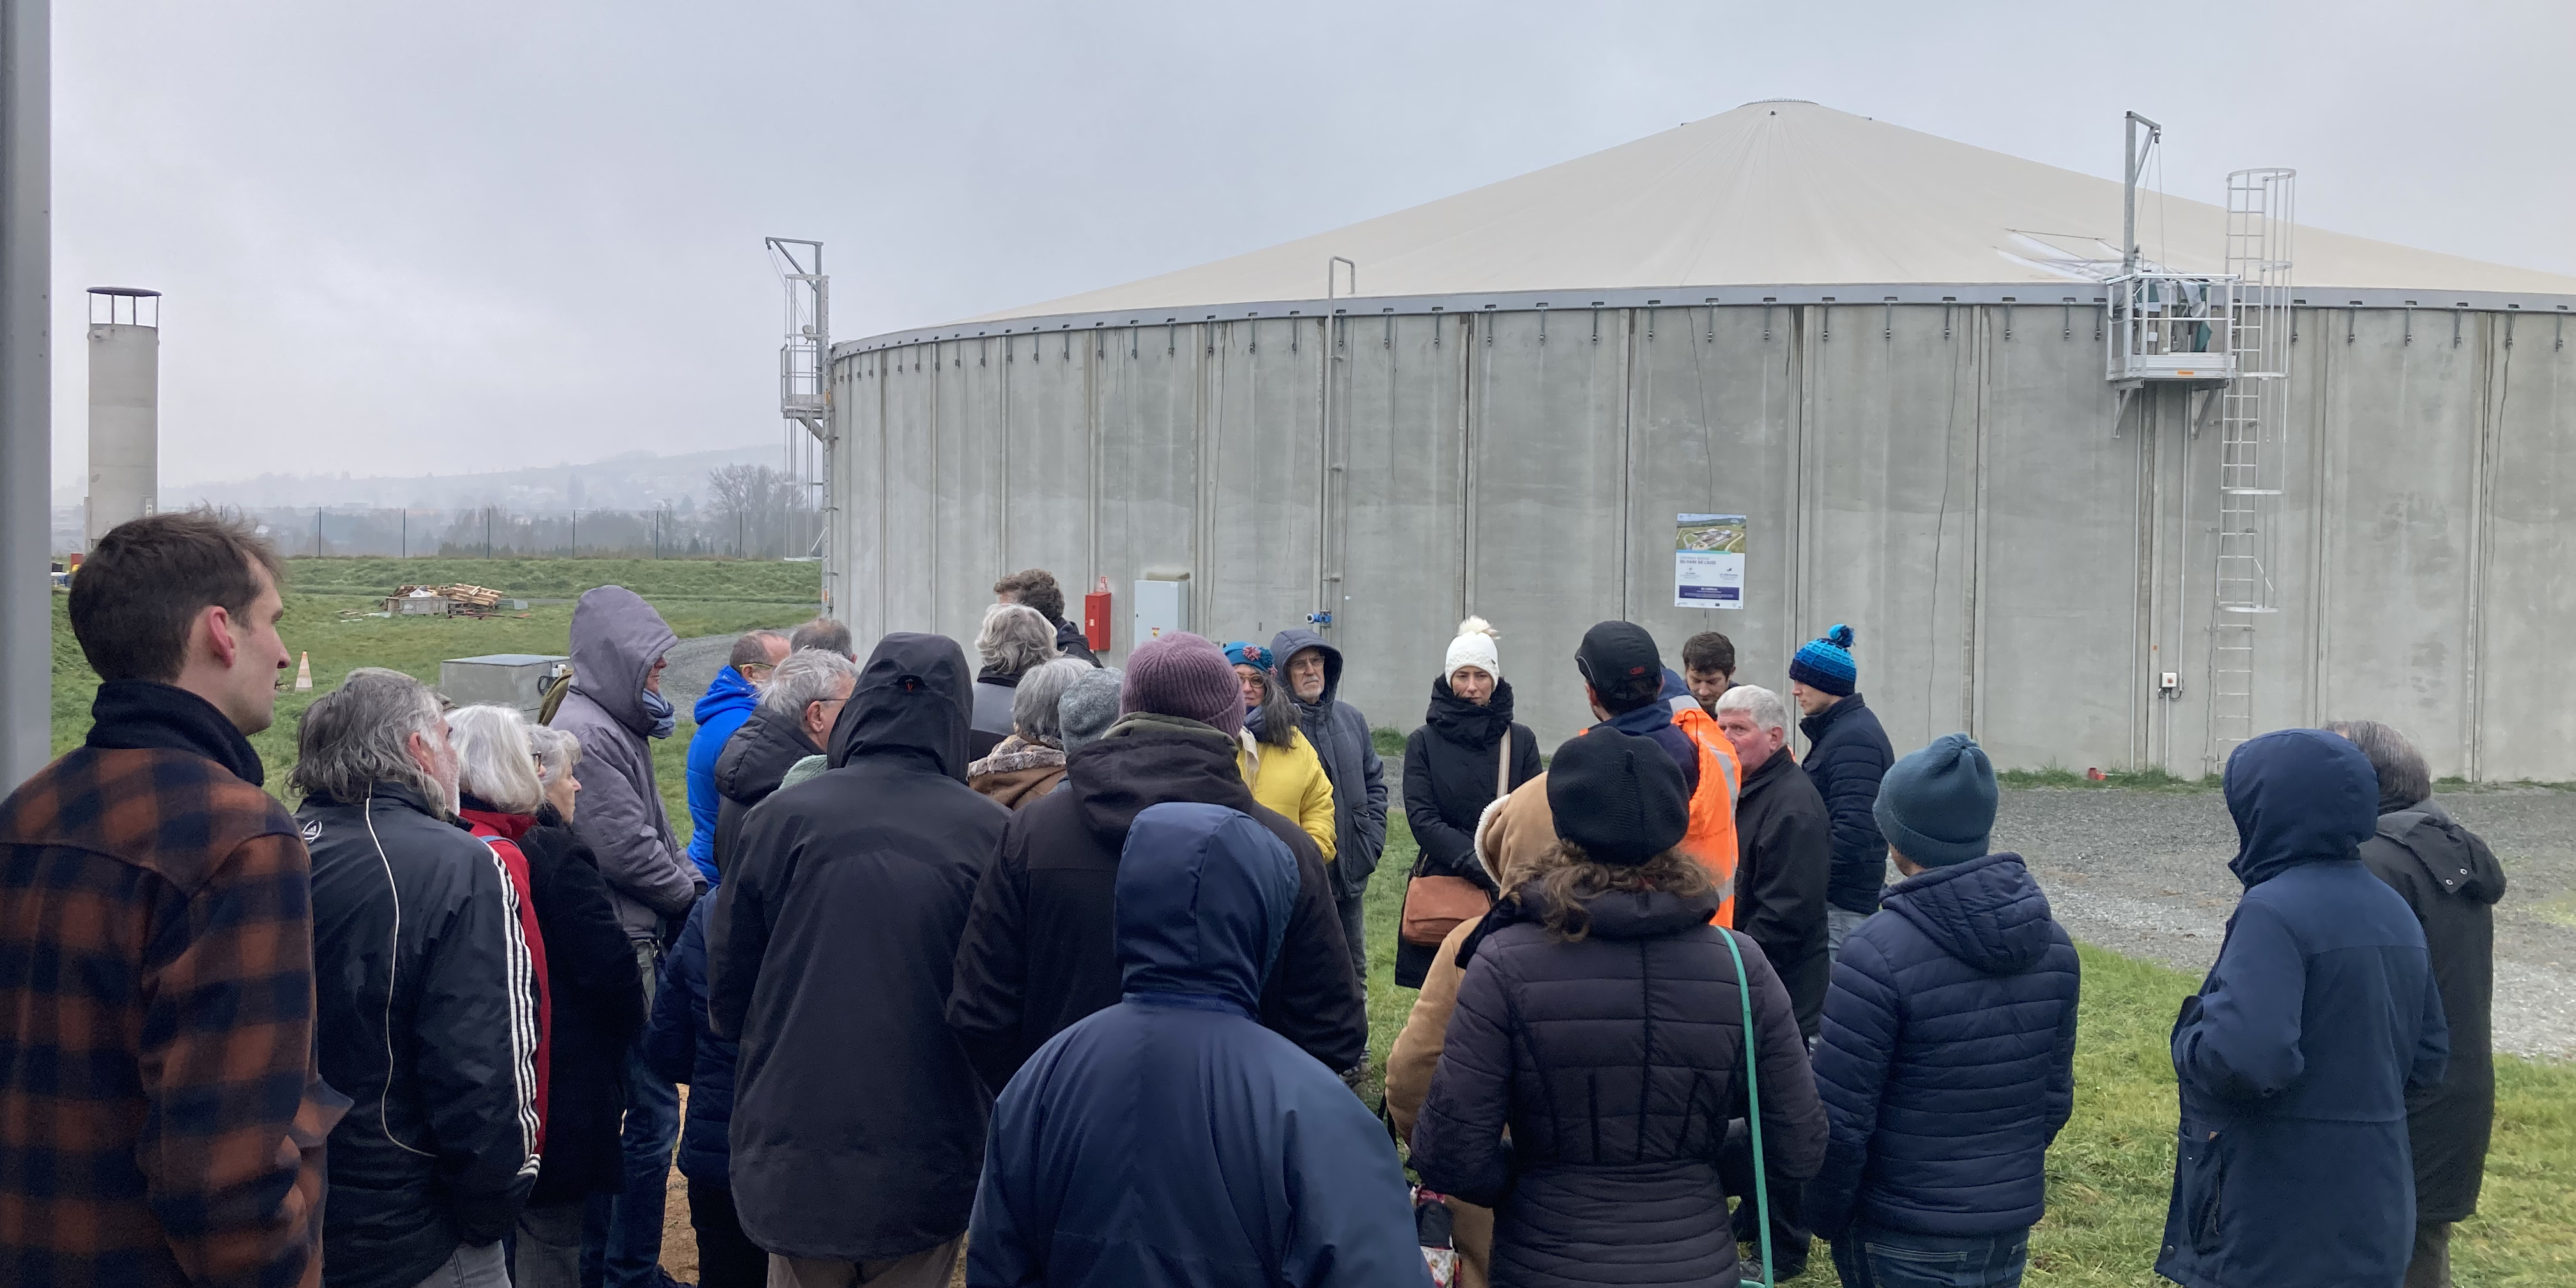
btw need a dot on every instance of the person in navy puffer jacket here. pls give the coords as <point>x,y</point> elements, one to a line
<point>681,1047</point>
<point>1947,1059</point>
<point>2298,1055</point>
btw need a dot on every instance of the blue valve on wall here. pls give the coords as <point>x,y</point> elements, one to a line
<point>1322,621</point>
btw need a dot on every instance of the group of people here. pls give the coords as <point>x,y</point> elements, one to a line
<point>1059,970</point>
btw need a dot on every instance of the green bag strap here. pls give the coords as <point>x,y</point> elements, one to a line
<point>1753,1113</point>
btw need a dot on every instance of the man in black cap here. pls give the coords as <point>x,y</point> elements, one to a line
<point>1622,677</point>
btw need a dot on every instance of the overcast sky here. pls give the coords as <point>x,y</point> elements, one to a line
<point>470,235</point>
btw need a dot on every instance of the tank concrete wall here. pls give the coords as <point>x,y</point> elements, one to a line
<point>2021,554</point>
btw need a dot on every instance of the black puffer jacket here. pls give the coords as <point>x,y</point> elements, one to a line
<point>748,769</point>
<point>596,1003</point>
<point>1847,755</point>
<point>1783,859</point>
<point>1041,951</point>
<point>1948,1058</point>
<point>415,949</point>
<point>2452,881</point>
<point>1449,768</point>
<point>1615,1062</point>
<point>857,1121</point>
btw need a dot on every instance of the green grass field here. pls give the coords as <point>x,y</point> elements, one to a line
<point>2112,1168</point>
<point>697,597</point>
<point>2108,1174</point>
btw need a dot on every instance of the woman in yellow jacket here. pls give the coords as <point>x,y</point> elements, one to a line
<point>1278,763</point>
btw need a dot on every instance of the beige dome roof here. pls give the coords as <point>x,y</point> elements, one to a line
<point>1785,193</point>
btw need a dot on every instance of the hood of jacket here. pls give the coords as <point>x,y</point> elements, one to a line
<point>911,699</point>
<point>1287,644</point>
<point>2298,796</point>
<point>616,638</point>
<point>1615,914</point>
<point>1463,722</point>
<point>2451,854</point>
<point>1987,912</point>
<point>1146,760</point>
<point>758,755</point>
<point>1204,898</point>
<point>728,692</point>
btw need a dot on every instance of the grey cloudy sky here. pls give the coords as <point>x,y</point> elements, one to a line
<point>475,235</point>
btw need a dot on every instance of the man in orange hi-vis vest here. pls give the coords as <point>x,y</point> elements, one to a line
<point>1631,692</point>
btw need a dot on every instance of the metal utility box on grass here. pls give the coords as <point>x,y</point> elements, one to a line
<point>501,680</point>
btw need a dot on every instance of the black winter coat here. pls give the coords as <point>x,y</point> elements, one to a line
<point>1783,859</point>
<point>748,769</point>
<point>415,947</point>
<point>1449,767</point>
<point>1040,951</point>
<point>857,1121</point>
<point>1341,737</point>
<point>682,1048</point>
<point>1847,753</point>
<point>1615,1062</point>
<point>596,1002</point>
<point>1072,643</point>
<point>1947,1063</point>
<point>2452,881</point>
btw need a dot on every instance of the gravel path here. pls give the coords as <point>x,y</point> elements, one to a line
<point>2145,874</point>
<point>694,663</point>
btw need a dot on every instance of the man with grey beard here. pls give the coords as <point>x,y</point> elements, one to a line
<point>425,1004</point>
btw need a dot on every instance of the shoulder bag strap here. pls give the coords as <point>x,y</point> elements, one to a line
<point>1753,1110</point>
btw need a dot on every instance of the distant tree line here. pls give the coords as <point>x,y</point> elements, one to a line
<point>750,512</point>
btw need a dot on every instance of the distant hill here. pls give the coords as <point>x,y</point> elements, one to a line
<point>628,480</point>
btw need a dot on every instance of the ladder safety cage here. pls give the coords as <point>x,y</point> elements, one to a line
<point>804,385</point>
<point>2252,462</point>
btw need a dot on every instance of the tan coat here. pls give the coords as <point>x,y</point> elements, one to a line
<point>1513,839</point>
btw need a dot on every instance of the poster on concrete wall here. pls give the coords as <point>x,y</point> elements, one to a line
<point>1708,561</point>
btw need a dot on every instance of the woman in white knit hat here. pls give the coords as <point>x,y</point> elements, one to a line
<point>1467,752</point>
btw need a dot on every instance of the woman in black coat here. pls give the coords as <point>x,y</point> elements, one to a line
<point>1601,1025</point>
<point>598,1007</point>
<point>1450,767</point>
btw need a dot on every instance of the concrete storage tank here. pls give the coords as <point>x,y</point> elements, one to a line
<point>124,407</point>
<point>1884,349</point>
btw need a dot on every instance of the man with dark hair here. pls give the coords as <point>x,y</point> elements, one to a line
<point>1708,666</point>
<point>428,1004</point>
<point>1630,691</point>
<point>1036,588</point>
<point>721,711</point>
<point>823,633</point>
<point>161,1114</point>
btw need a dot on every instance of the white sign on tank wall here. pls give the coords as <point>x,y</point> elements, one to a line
<point>1708,561</point>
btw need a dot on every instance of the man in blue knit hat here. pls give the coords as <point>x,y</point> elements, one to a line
<point>1847,753</point>
<point>1947,1059</point>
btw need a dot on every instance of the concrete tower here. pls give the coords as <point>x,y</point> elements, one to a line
<point>124,407</point>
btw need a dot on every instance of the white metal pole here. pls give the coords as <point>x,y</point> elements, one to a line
<point>26,392</point>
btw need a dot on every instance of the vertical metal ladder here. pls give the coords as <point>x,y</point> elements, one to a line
<point>2253,414</point>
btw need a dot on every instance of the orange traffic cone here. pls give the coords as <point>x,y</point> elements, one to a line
<point>303,672</point>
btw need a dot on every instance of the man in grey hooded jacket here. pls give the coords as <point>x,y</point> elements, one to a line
<point>615,707</point>
<point>1313,672</point>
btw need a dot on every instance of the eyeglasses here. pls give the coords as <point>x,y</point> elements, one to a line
<point>763,667</point>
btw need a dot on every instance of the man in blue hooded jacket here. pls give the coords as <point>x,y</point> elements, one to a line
<point>2297,1056</point>
<point>728,702</point>
<point>1171,1139</point>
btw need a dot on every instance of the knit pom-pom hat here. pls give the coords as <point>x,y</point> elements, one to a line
<point>1826,664</point>
<point>1475,646</point>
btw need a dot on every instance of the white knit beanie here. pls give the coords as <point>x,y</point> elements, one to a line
<point>1475,647</point>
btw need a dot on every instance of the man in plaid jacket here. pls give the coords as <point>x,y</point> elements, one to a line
<point>161,1119</point>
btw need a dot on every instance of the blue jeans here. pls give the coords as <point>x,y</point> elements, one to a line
<point>624,1237</point>
<point>1869,1256</point>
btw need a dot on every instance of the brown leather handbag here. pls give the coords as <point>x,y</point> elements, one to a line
<point>1433,906</point>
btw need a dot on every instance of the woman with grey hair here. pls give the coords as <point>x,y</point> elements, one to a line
<point>1015,640</point>
<point>2452,881</point>
<point>1029,763</point>
<point>497,798</point>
